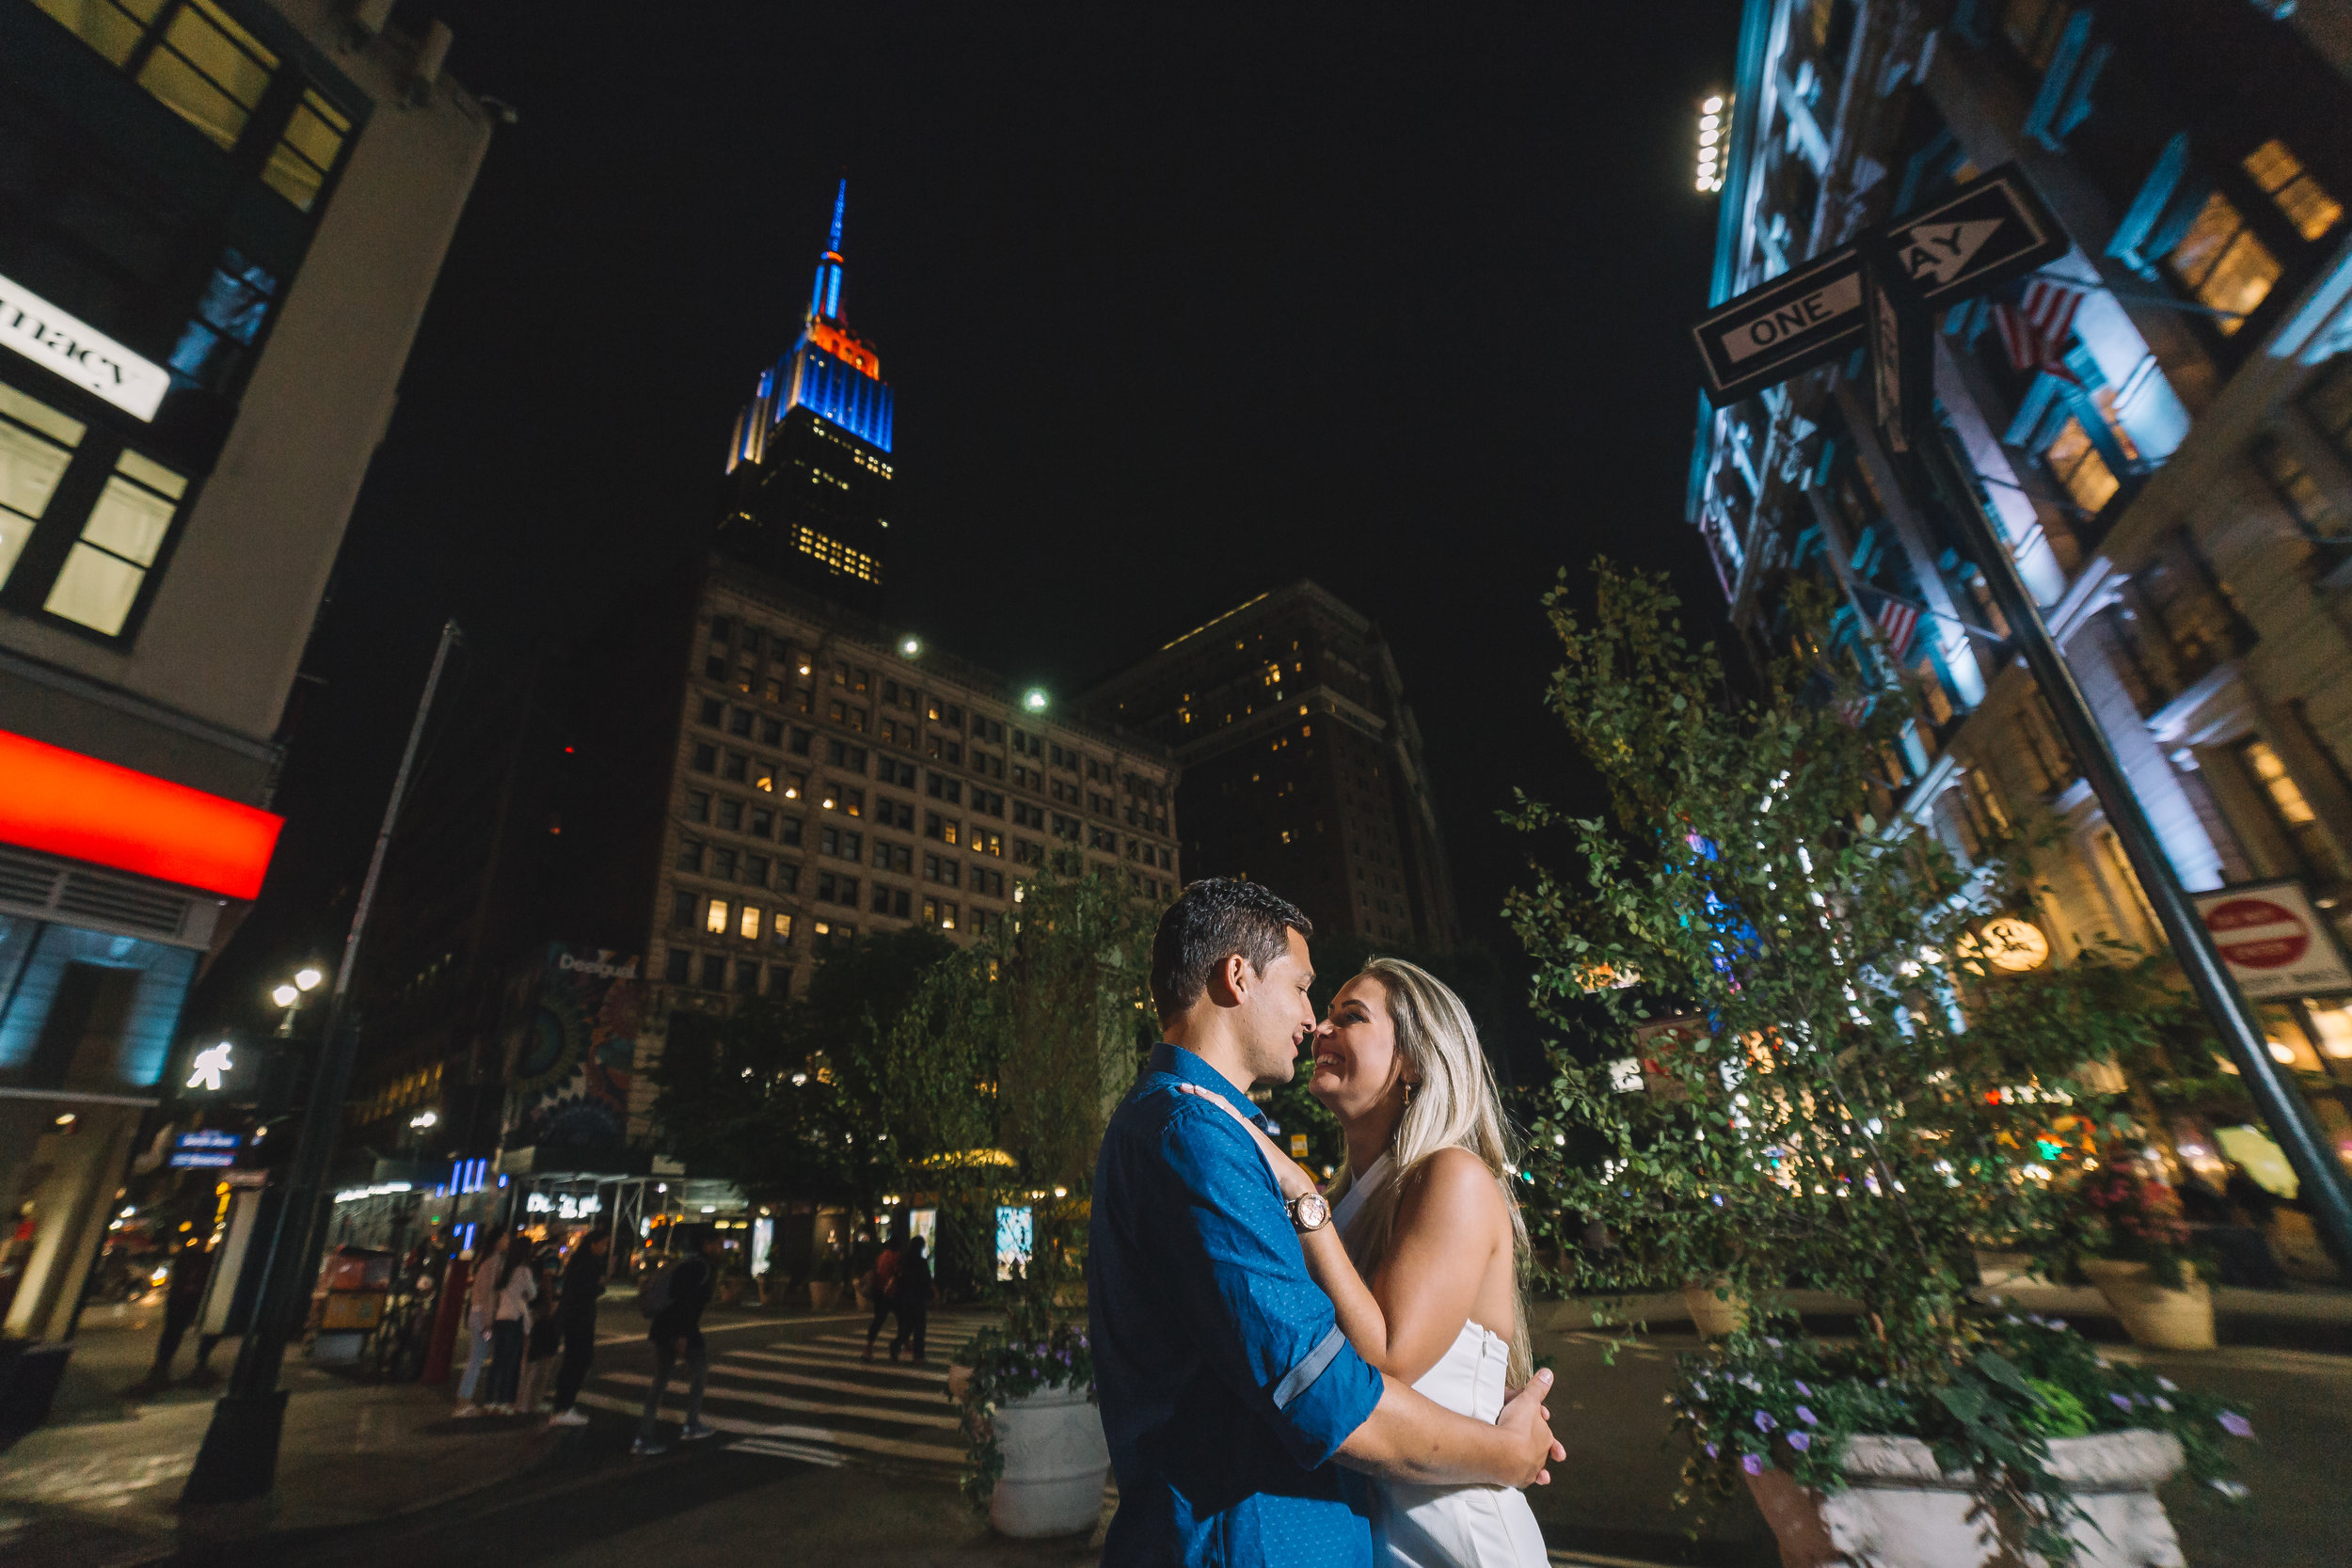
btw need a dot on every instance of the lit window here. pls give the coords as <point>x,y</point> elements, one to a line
<point>2223,264</point>
<point>748,928</point>
<point>35,444</point>
<point>2294,485</point>
<point>209,71</point>
<point>782,927</point>
<point>2284,180</point>
<point>2075,464</point>
<point>715,917</point>
<point>2294,812</point>
<point>119,542</point>
<point>113,27</point>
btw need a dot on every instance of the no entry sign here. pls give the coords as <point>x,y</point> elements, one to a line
<point>2272,941</point>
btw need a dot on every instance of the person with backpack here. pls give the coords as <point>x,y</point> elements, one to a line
<point>576,1312</point>
<point>674,1297</point>
<point>884,1278</point>
<point>913,1299</point>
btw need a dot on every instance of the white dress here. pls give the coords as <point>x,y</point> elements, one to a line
<point>1452,1527</point>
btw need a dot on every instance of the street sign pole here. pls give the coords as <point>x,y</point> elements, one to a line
<point>238,1461</point>
<point>2325,1193</point>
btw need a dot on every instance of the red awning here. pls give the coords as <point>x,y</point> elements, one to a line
<point>67,804</point>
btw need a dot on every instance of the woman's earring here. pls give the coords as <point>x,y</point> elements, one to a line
<point>1410,1088</point>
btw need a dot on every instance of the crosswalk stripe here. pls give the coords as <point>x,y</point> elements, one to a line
<point>791,1450</point>
<point>826,1364</point>
<point>929,1397</point>
<point>713,1390</point>
<point>864,1442</point>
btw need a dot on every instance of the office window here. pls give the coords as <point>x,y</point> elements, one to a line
<point>801,740</point>
<point>722,865</point>
<point>788,831</point>
<point>773,691</point>
<point>833,887</point>
<point>756,870</point>
<point>771,732</point>
<point>2327,401</point>
<point>939,912</point>
<point>209,71</point>
<point>1026,852</point>
<point>2297,490</point>
<point>738,769</point>
<point>2222,264</point>
<point>780,928</point>
<point>983,880</point>
<point>841,844</point>
<point>119,542</point>
<point>2075,464</point>
<point>715,917</point>
<point>712,713</point>
<point>679,967</point>
<point>841,755</point>
<point>35,444</point>
<point>762,823</point>
<point>683,906</point>
<point>1027,815</point>
<point>313,140</point>
<point>703,758</point>
<point>892,857</point>
<point>747,922</point>
<point>739,722</point>
<point>945,788</point>
<point>788,878</point>
<point>1168,859</point>
<point>731,814</point>
<point>2302,198</point>
<point>892,771</point>
<point>2291,811</point>
<point>714,971</point>
<point>985,843</point>
<point>689,856</point>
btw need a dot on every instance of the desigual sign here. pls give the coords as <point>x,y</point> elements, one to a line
<point>80,353</point>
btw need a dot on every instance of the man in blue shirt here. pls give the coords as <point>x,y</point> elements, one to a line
<point>1227,1390</point>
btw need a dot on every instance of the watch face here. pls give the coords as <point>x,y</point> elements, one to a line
<point>1312,1210</point>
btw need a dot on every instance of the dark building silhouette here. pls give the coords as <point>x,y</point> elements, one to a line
<point>1301,764</point>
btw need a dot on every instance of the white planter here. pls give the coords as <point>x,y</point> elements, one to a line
<point>1055,1461</point>
<point>2153,1315</point>
<point>1901,1512</point>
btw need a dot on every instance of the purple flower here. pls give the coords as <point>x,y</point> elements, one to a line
<point>1714,1451</point>
<point>1807,1417</point>
<point>2236,1424</point>
<point>2121,1401</point>
<point>1801,1440</point>
<point>1764,1422</point>
<point>2164,1404</point>
<point>1752,1464</point>
<point>1801,1388</point>
<point>2167,1386</point>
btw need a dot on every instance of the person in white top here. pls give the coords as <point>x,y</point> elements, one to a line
<point>481,1301</point>
<point>511,1324</point>
<point>1423,1212</point>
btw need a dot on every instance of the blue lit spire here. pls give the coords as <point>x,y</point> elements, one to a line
<point>824,301</point>
<point>832,371</point>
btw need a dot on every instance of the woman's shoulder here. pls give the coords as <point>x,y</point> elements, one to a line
<point>1453,1185</point>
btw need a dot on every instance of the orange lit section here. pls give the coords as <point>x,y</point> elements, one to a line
<point>851,350</point>
<point>65,803</point>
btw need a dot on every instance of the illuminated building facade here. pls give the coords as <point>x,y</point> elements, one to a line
<point>810,452</point>
<point>2160,425</point>
<point>182,432</point>
<point>1301,763</point>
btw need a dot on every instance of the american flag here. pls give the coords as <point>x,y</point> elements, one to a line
<point>2034,329</point>
<point>1899,620</point>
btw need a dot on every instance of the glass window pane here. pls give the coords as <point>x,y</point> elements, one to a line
<point>2312,210</point>
<point>39,415</point>
<point>147,471</point>
<point>128,521</point>
<point>2216,225</point>
<point>2272,166</point>
<point>216,44</point>
<point>193,99</point>
<point>2240,281</point>
<point>110,27</point>
<point>2076,464</point>
<point>95,590</point>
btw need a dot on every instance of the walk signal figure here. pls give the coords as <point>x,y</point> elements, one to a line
<point>209,1065</point>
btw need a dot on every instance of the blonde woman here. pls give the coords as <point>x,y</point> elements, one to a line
<point>1422,1258</point>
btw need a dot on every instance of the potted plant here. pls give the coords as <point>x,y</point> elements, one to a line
<point>1787,1061</point>
<point>1038,1455</point>
<point>2139,1256</point>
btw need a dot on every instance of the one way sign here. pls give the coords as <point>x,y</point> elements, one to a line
<point>1992,229</point>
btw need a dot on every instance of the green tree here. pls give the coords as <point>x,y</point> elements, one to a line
<point>1797,1075</point>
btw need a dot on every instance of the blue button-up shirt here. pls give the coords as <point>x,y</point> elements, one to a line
<point>1226,1385</point>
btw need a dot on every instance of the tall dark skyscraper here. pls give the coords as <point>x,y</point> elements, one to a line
<point>810,456</point>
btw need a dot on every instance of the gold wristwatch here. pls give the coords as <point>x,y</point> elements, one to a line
<point>1309,1212</point>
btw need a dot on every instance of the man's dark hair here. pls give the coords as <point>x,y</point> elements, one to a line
<point>1213,920</point>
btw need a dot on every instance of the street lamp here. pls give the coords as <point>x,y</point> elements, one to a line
<point>1034,699</point>
<point>910,646</point>
<point>423,1121</point>
<point>289,994</point>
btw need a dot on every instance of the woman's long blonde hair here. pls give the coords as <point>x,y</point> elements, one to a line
<point>1455,1105</point>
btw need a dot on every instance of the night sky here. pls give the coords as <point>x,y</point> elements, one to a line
<point>1176,309</point>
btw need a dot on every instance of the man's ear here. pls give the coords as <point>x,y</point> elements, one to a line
<point>1231,984</point>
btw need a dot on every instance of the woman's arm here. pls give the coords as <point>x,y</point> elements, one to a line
<point>1443,1236</point>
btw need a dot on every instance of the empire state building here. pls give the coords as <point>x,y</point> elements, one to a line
<point>810,455</point>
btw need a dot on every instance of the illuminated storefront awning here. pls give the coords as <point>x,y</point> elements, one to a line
<point>69,804</point>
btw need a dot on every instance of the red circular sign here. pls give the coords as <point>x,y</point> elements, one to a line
<point>2255,933</point>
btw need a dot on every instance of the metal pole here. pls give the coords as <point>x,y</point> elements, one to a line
<point>2325,1189</point>
<point>238,1461</point>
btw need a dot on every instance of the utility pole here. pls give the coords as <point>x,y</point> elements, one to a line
<point>238,1461</point>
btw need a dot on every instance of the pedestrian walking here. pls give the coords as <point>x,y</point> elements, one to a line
<point>191,1269</point>
<point>481,1298</point>
<point>675,1297</point>
<point>545,1339</point>
<point>510,1324</point>
<point>576,1316</point>
<point>885,1280</point>
<point>913,1299</point>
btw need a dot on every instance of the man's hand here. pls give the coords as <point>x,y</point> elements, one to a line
<point>1294,1179</point>
<point>1528,1423</point>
